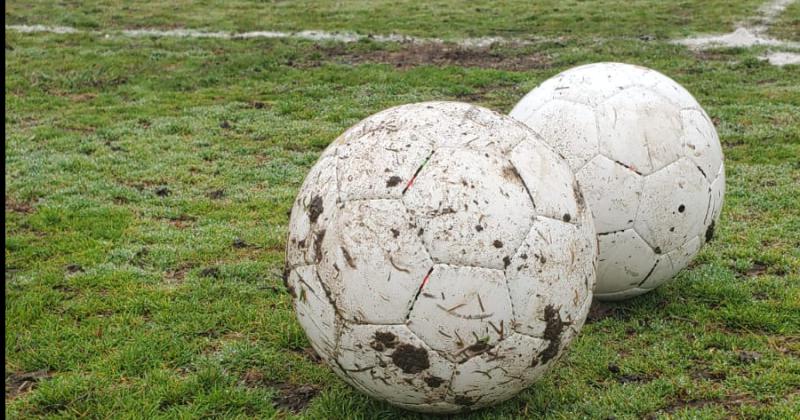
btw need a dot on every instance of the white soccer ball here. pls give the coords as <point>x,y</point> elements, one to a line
<point>648,160</point>
<point>440,256</point>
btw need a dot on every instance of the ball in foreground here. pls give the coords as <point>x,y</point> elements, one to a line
<point>648,159</point>
<point>440,256</point>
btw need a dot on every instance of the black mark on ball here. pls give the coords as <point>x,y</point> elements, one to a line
<point>393,181</point>
<point>395,232</point>
<point>566,217</point>
<point>497,243</point>
<point>681,208</point>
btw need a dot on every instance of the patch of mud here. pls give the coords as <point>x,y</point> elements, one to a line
<point>315,209</point>
<point>601,310</point>
<point>294,398</point>
<point>410,359</point>
<point>434,54</point>
<point>383,340</point>
<point>554,326</point>
<point>434,381</point>
<point>18,383</point>
<point>729,402</point>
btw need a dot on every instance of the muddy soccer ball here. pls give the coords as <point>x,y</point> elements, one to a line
<point>440,256</point>
<point>648,160</point>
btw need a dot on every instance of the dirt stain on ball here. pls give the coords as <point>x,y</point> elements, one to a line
<point>383,340</point>
<point>410,359</point>
<point>554,326</point>
<point>315,209</point>
<point>434,381</point>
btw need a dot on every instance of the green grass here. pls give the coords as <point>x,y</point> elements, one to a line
<point>788,24</point>
<point>439,18</point>
<point>134,165</point>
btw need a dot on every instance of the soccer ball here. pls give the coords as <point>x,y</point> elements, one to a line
<point>440,256</point>
<point>648,160</point>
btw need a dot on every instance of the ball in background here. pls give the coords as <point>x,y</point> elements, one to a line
<point>440,256</point>
<point>649,162</point>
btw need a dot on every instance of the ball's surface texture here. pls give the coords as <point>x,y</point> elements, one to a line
<point>440,256</point>
<point>648,160</point>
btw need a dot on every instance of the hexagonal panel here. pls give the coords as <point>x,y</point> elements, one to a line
<point>548,179</point>
<point>625,260</point>
<point>498,374</point>
<point>374,259</point>
<point>701,143</point>
<point>380,163</point>
<point>462,310</point>
<point>553,268</point>
<point>389,360</point>
<point>570,128</point>
<point>316,314</point>
<point>472,207</point>
<point>675,201</point>
<point>640,129</point>
<point>483,128</point>
<point>613,193</point>
<point>313,209</point>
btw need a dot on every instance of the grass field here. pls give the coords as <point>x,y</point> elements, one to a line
<point>148,184</point>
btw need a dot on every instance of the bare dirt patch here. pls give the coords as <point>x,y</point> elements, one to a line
<point>601,310</point>
<point>729,402</point>
<point>294,398</point>
<point>18,206</point>
<point>413,55</point>
<point>18,383</point>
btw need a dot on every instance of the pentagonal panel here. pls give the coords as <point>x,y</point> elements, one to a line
<point>380,163</point>
<point>497,374</point>
<point>624,262</point>
<point>701,143</point>
<point>389,360</point>
<point>374,261</point>
<point>569,127</point>
<point>462,310</point>
<point>613,193</point>
<point>548,179</point>
<point>471,206</point>
<point>313,209</point>
<point>675,201</point>
<point>553,268</point>
<point>640,129</point>
<point>316,314</point>
<point>682,256</point>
